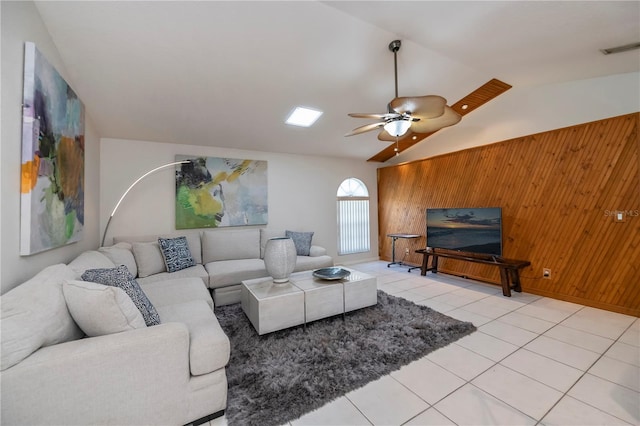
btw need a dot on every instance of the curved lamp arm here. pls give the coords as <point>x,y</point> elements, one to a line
<point>104,235</point>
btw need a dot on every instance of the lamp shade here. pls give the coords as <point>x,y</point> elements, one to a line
<point>397,127</point>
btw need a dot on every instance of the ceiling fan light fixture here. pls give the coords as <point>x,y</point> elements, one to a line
<point>397,127</point>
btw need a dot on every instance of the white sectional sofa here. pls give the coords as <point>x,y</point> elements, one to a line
<point>75,352</point>
<point>51,373</point>
<point>224,258</point>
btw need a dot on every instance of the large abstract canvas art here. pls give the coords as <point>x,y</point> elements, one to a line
<point>214,192</point>
<point>52,171</point>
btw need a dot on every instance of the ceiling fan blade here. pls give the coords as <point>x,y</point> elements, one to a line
<point>365,128</point>
<point>385,116</point>
<point>448,118</point>
<point>430,106</point>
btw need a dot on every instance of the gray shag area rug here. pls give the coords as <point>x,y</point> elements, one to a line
<point>277,377</point>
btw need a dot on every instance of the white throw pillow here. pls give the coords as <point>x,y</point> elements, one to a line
<point>121,254</point>
<point>101,309</point>
<point>148,258</point>
<point>34,315</point>
<point>88,260</point>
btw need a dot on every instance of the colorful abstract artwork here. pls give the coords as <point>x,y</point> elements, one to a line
<point>52,180</point>
<point>214,192</point>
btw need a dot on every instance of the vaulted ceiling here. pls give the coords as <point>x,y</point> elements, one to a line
<point>227,74</point>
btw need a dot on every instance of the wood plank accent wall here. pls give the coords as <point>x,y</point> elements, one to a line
<point>558,191</point>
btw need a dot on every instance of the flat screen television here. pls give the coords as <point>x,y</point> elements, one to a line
<point>474,230</point>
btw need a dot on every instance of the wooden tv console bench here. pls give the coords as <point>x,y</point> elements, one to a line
<point>509,268</point>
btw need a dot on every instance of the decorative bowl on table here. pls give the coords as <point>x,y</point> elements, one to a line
<point>332,273</point>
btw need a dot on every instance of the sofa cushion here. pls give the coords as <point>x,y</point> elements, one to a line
<point>230,245</point>
<point>89,260</point>
<point>209,347</point>
<point>101,309</point>
<point>120,254</point>
<point>193,239</point>
<point>302,241</point>
<point>35,315</point>
<point>176,253</point>
<point>170,292</point>
<point>196,271</point>
<point>148,258</point>
<point>227,295</point>
<point>227,272</point>
<point>121,277</point>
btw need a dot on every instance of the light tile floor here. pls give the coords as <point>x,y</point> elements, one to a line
<point>533,361</point>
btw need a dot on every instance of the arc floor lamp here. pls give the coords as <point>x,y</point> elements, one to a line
<point>106,228</point>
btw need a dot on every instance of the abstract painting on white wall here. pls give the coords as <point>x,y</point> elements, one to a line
<point>52,171</point>
<point>213,192</point>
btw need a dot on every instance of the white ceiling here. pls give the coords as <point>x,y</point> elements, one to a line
<point>226,74</point>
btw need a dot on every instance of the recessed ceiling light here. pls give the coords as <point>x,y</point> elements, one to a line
<point>465,106</point>
<point>303,117</point>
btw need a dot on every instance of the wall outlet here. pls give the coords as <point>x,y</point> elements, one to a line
<point>406,250</point>
<point>546,273</point>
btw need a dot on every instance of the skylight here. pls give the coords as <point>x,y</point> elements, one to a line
<point>303,117</point>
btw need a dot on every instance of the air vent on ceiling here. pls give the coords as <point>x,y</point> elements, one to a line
<point>620,49</point>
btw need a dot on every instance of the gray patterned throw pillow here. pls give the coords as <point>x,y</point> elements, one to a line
<point>176,253</point>
<point>122,278</point>
<point>302,241</point>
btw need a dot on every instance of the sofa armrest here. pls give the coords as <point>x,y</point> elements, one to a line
<point>135,377</point>
<point>315,251</point>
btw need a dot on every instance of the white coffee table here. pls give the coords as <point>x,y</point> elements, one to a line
<point>305,298</point>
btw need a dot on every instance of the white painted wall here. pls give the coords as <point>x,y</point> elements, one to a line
<point>301,190</point>
<point>20,23</point>
<point>531,110</point>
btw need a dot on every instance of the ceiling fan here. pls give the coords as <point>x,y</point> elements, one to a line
<point>420,114</point>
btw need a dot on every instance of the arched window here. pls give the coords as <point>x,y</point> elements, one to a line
<point>353,217</point>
